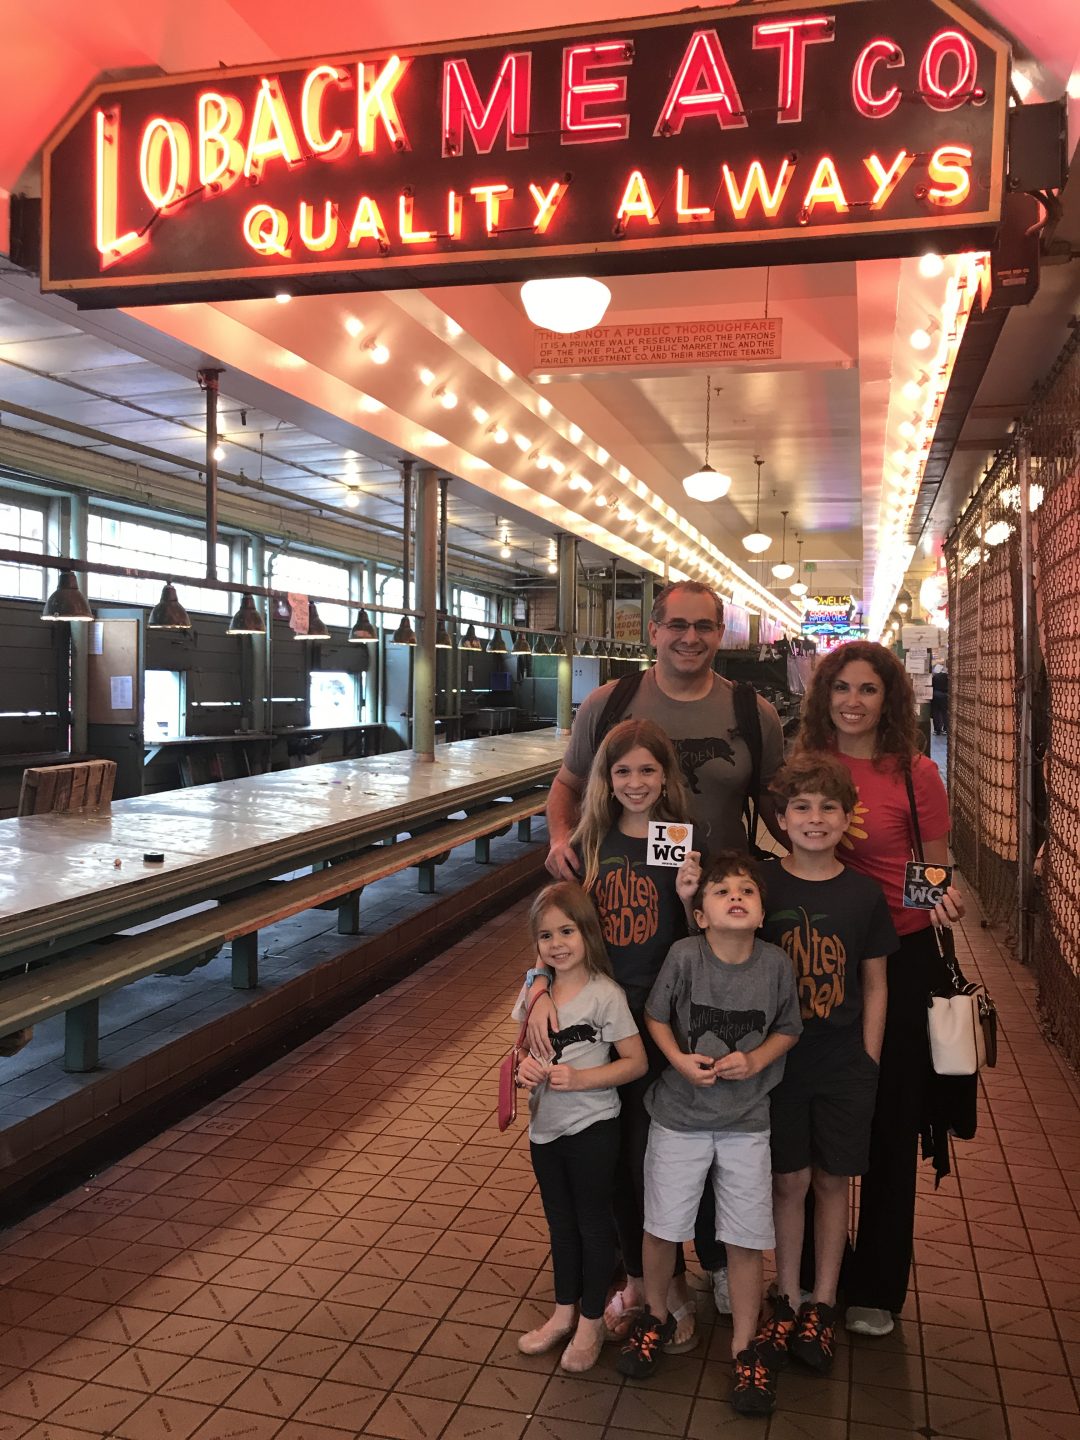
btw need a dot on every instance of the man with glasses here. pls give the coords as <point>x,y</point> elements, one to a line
<point>696,708</point>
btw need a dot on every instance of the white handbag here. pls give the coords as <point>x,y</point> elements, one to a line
<point>963,1031</point>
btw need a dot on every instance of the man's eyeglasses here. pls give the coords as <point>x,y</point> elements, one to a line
<point>680,627</point>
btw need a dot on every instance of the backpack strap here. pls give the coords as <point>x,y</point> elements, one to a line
<point>748,721</point>
<point>616,705</point>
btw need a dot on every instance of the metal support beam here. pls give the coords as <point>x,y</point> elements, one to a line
<point>348,913</point>
<point>482,850</point>
<point>80,634</point>
<point>208,380</point>
<point>567,624</point>
<point>524,830</point>
<point>81,1038</point>
<point>426,877</point>
<point>423,695</point>
<point>245,961</point>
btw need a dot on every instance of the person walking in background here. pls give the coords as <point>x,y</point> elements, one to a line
<point>573,1119</point>
<point>860,708</point>
<point>939,702</point>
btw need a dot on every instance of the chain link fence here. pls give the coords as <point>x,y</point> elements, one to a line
<point>992,825</point>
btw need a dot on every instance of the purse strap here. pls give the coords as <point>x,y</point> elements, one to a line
<point>946,946</point>
<point>525,1023</point>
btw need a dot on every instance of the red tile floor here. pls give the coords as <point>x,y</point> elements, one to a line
<point>345,1245</point>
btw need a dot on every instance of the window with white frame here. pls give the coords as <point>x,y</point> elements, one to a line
<point>113,539</point>
<point>472,605</point>
<point>22,527</point>
<point>304,575</point>
<point>391,592</point>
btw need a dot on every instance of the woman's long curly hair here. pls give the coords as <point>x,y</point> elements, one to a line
<point>600,811</point>
<point>897,737</point>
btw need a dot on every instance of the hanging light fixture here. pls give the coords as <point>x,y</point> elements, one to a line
<point>558,646</point>
<point>363,632</point>
<point>757,542</point>
<point>442,635</point>
<point>247,620</point>
<point>67,602</point>
<point>470,640</point>
<point>496,645</point>
<point>316,630</point>
<point>568,303</point>
<point>168,613</point>
<point>541,647</point>
<point>707,484</point>
<point>783,571</point>
<point>404,634</point>
<point>799,589</point>
<point>583,648</point>
<point>520,646</point>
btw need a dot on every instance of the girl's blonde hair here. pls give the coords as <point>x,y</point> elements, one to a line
<point>599,808</point>
<point>576,906</point>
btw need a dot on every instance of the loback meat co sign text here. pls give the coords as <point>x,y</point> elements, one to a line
<point>852,129</point>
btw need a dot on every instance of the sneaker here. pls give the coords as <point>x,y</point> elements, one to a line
<point>865,1320</point>
<point>754,1391</point>
<point>774,1338</point>
<point>814,1341</point>
<point>720,1293</point>
<point>640,1356</point>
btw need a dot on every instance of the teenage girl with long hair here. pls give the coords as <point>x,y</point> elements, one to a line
<point>573,1118</point>
<point>860,708</point>
<point>643,909</point>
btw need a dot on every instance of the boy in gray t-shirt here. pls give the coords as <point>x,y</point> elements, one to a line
<point>724,1011</point>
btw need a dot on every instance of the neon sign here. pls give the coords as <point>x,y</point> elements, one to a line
<point>819,132</point>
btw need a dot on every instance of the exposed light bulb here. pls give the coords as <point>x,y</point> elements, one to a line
<point>920,339</point>
<point>426,375</point>
<point>379,353</point>
<point>931,265</point>
<point>553,568</point>
<point>499,434</point>
<point>523,443</point>
<point>448,400</point>
<point>219,453</point>
<point>480,415</point>
<point>353,325</point>
<point>352,499</point>
<point>283,297</point>
<point>911,390</point>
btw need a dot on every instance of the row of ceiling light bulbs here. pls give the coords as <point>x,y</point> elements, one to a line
<point>499,434</point>
<point>925,391</point>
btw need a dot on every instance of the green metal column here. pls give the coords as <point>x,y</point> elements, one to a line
<point>260,644</point>
<point>80,634</point>
<point>567,624</point>
<point>425,570</point>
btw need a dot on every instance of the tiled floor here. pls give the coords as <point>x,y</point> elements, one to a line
<point>345,1245</point>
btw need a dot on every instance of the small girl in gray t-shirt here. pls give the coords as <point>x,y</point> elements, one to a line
<point>573,1118</point>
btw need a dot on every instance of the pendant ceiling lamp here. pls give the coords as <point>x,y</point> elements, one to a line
<point>404,634</point>
<point>558,646</point>
<point>707,484</point>
<point>567,304</point>
<point>67,602</point>
<point>757,542</point>
<point>247,620</point>
<point>496,645</point>
<point>363,632</point>
<point>520,646</point>
<point>442,635</point>
<point>470,640</point>
<point>799,588</point>
<point>168,613</point>
<point>316,630</point>
<point>541,647</point>
<point>782,570</point>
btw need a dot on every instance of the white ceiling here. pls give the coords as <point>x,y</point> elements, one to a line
<point>820,420</point>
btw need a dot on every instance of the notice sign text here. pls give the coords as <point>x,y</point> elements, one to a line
<point>686,342</point>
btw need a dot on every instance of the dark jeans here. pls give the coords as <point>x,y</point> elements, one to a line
<point>576,1174</point>
<point>878,1272</point>
<point>939,714</point>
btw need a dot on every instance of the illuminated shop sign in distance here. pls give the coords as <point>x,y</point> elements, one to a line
<point>853,128</point>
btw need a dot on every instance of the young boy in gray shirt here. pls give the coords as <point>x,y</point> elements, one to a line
<point>724,1011</point>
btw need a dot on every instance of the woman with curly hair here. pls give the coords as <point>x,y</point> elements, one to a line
<point>860,708</point>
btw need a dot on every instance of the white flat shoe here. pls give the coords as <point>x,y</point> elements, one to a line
<point>576,1359</point>
<point>543,1339</point>
<point>865,1320</point>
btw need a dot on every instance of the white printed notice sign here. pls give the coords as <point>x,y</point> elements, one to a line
<point>683,342</point>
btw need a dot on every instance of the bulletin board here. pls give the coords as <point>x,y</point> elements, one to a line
<point>113,672</point>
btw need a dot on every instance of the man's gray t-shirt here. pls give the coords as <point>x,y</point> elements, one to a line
<point>714,1008</point>
<point>714,756</point>
<point>589,1024</point>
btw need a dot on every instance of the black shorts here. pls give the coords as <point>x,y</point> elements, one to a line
<point>822,1109</point>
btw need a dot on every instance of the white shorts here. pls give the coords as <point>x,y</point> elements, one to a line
<point>677,1168</point>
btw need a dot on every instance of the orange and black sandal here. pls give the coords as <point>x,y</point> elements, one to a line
<point>754,1390</point>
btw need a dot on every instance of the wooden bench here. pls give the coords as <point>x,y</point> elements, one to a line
<point>73,985</point>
